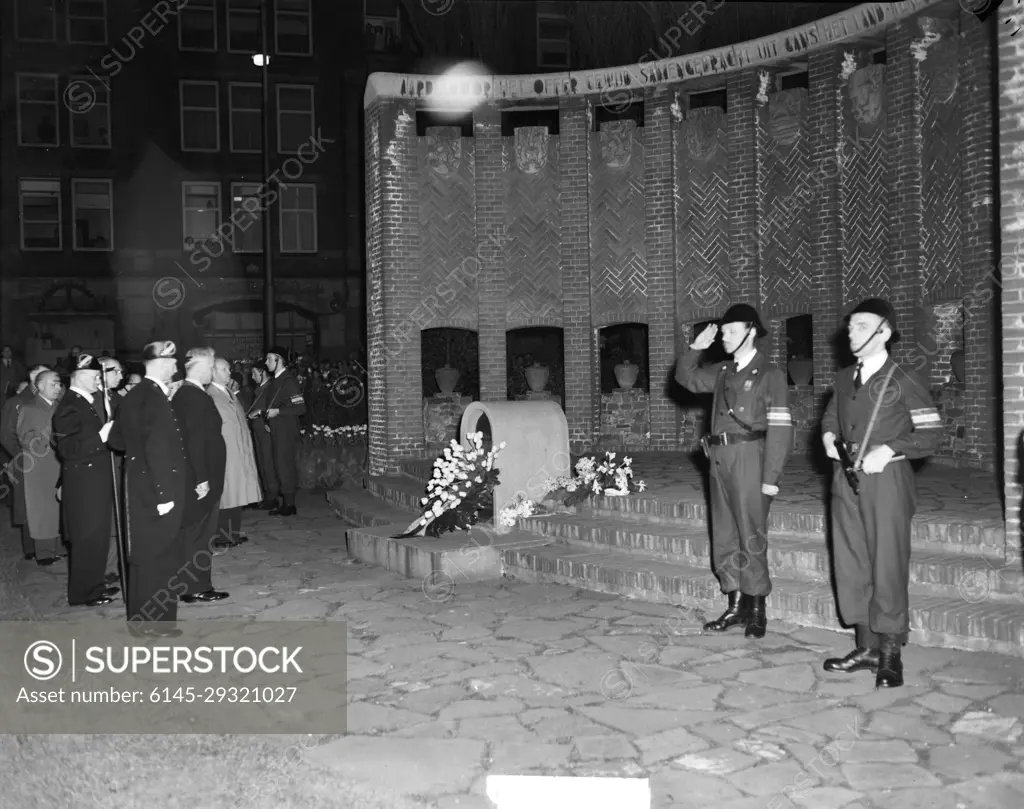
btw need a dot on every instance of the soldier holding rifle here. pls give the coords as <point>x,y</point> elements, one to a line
<point>880,415</point>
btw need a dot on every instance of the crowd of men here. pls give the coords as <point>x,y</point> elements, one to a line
<point>144,480</point>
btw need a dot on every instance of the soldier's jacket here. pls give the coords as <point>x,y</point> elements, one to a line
<point>284,393</point>
<point>907,420</point>
<point>758,395</point>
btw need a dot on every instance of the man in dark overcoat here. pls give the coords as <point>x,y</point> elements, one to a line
<point>255,412</point>
<point>113,375</point>
<point>204,446</point>
<point>81,429</point>
<point>284,407</point>
<point>40,469</point>
<point>12,477</point>
<point>147,433</point>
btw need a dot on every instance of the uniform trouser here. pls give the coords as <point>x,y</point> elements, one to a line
<point>739,519</point>
<point>229,524</point>
<point>150,598</point>
<point>112,563</point>
<point>871,547</point>
<point>197,541</point>
<point>28,547</point>
<point>265,461</point>
<point>284,445</point>
<point>87,561</point>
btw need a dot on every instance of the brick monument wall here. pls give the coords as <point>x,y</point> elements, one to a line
<point>874,180</point>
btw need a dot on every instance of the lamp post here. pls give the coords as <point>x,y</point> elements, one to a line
<point>262,61</point>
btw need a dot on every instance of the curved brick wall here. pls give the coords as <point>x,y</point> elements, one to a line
<point>875,179</point>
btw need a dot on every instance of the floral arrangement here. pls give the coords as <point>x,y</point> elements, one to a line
<point>595,478</point>
<point>331,456</point>
<point>521,507</point>
<point>764,81</point>
<point>461,488</point>
<point>849,66</point>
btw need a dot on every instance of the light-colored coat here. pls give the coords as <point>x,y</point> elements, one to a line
<point>41,468</point>
<point>241,478</point>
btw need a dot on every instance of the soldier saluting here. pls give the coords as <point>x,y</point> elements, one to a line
<point>884,414</point>
<point>751,436</point>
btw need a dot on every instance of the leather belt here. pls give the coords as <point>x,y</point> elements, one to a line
<point>725,439</point>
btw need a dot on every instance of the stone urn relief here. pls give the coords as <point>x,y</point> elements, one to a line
<point>447,378</point>
<point>537,377</point>
<point>800,370</point>
<point>626,373</point>
<point>956,362</point>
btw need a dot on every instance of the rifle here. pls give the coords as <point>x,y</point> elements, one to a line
<point>848,464</point>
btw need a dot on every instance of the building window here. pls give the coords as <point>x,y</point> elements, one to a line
<point>247,215</point>
<point>93,213</point>
<point>37,110</point>
<point>244,26</point>
<point>245,102</point>
<point>292,29</point>
<point>552,36</point>
<point>296,119</point>
<point>34,21</point>
<point>298,218</point>
<point>39,202</point>
<point>197,26</point>
<point>88,102</point>
<point>381,23</point>
<point>200,213</point>
<point>200,116</point>
<point>87,22</point>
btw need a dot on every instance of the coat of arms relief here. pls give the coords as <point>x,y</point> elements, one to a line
<point>616,139</point>
<point>940,60</point>
<point>702,131</point>
<point>785,115</point>
<point>531,147</point>
<point>866,95</point>
<point>444,149</point>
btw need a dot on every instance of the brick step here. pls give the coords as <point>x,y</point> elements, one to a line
<point>358,507</point>
<point>956,576</point>
<point>400,491</point>
<point>935,620</point>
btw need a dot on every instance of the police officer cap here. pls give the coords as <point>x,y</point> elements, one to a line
<point>281,352</point>
<point>87,362</point>
<point>160,350</point>
<point>881,308</point>
<point>743,313</point>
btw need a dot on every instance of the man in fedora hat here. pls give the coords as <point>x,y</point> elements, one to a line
<point>751,436</point>
<point>871,530</point>
<point>81,427</point>
<point>148,434</point>
<point>285,404</point>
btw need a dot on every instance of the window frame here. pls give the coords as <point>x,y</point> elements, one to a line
<point>312,112</point>
<point>281,209</point>
<point>60,215</point>
<point>236,231</point>
<point>53,25</point>
<point>56,107</point>
<point>243,12</point>
<point>182,108</point>
<point>93,82</point>
<point>231,117</point>
<point>543,13</point>
<point>212,8</point>
<point>184,219</point>
<point>74,211</point>
<point>309,29</point>
<point>67,24</point>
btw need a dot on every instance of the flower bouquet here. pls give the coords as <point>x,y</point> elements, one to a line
<point>462,487</point>
<point>329,456</point>
<point>594,479</point>
<point>520,508</point>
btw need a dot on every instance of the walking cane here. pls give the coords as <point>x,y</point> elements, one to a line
<point>122,554</point>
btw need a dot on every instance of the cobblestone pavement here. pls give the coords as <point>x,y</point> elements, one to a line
<point>510,678</point>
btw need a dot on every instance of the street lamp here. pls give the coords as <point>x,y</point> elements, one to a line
<point>262,61</point>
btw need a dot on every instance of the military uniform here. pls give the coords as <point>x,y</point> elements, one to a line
<point>871,531</point>
<point>750,440</point>
<point>264,448</point>
<point>285,394</point>
<point>87,494</point>
<point>147,432</point>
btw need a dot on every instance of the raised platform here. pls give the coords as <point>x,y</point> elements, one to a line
<point>967,586</point>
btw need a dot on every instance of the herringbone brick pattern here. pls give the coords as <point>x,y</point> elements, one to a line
<point>617,238</point>
<point>532,220</point>
<point>864,191</point>
<point>447,233</point>
<point>704,280</point>
<point>941,193</point>
<point>783,175</point>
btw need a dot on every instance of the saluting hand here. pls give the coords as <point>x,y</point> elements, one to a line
<point>876,460</point>
<point>163,508</point>
<point>705,338</point>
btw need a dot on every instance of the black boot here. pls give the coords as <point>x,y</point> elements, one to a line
<point>857,660</point>
<point>758,621</point>
<point>736,615</point>
<point>890,666</point>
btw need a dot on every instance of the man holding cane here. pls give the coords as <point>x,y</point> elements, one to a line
<point>884,415</point>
